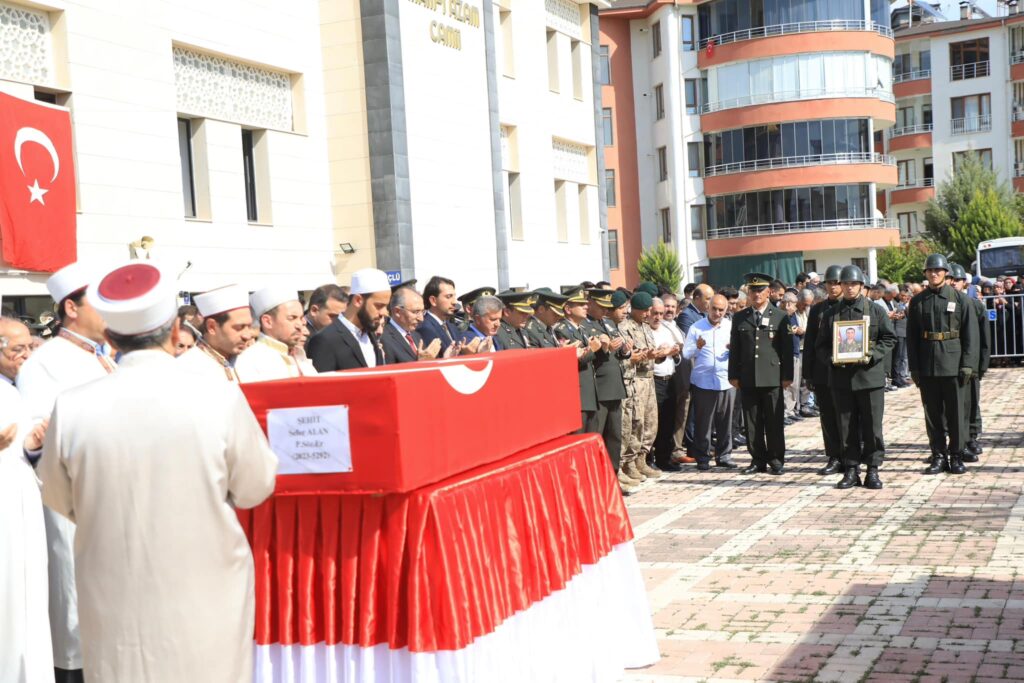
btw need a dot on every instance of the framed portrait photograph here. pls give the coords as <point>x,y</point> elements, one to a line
<point>849,341</point>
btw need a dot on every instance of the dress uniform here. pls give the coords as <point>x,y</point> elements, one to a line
<point>972,392</point>
<point>858,389</point>
<point>816,373</point>
<point>569,331</point>
<point>541,334</point>
<point>467,300</point>
<point>640,409</point>
<point>511,336</point>
<point>760,361</point>
<point>611,389</point>
<point>942,350</point>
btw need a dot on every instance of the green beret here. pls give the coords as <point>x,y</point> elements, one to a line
<point>642,301</point>
<point>648,287</point>
<point>618,299</point>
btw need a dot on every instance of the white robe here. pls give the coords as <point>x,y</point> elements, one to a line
<point>195,360</point>
<point>151,462</point>
<point>25,652</point>
<point>56,366</point>
<point>269,359</point>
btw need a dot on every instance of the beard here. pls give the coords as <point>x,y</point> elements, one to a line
<point>366,320</point>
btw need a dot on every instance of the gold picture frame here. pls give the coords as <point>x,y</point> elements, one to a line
<point>849,348</point>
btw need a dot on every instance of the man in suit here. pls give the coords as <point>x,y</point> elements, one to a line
<point>326,303</point>
<point>351,340</point>
<point>401,342</point>
<point>439,297</point>
<point>761,366</point>
<point>481,337</point>
<point>464,318</point>
<point>518,311</point>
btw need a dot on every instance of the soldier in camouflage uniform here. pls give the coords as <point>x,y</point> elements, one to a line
<point>640,409</point>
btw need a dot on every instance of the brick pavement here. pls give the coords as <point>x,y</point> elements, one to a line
<point>788,579</point>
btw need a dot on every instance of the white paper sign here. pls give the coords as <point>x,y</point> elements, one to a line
<point>312,440</point>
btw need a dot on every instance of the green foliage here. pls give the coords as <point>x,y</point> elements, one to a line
<point>660,265</point>
<point>955,194</point>
<point>986,217</point>
<point>905,263</point>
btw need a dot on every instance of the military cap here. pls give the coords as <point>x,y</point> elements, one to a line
<point>757,280</point>
<point>576,295</point>
<point>404,283</point>
<point>648,287</point>
<point>619,298</point>
<point>936,261</point>
<point>833,273</point>
<point>641,301</point>
<point>957,271</point>
<point>469,298</point>
<point>602,297</point>
<point>587,284</point>
<point>550,299</point>
<point>519,301</point>
<point>852,274</point>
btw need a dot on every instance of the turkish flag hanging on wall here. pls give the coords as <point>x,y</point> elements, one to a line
<point>37,185</point>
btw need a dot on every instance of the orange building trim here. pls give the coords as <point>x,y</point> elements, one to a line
<point>884,113</point>
<point>805,241</point>
<point>797,43</point>
<point>1017,72</point>
<point>912,141</point>
<point>919,86</point>
<point>1018,184</point>
<point>825,174</point>
<point>1017,129</point>
<point>911,195</point>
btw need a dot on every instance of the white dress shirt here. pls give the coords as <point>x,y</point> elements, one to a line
<point>665,367</point>
<point>710,363</point>
<point>365,343</point>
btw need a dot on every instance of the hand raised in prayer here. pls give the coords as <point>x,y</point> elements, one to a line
<point>471,347</point>
<point>486,346</point>
<point>606,342</point>
<point>616,343</point>
<point>701,343</point>
<point>452,350</point>
<point>35,438</point>
<point>595,344</point>
<point>430,352</point>
<point>7,436</point>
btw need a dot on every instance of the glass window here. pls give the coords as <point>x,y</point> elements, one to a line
<point>803,199</point>
<point>802,148</point>
<point>656,38</point>
<point>692,159</point>
<point>774,141</point>
<point>659,102</point>
<point>817,203</point>
<point>926,114</point>
<point>908,223</point>
<point>663,163</point>
<point>666,226</point>
<point>613,249</point>
<point>814,136</point>
<point>828,137</point>
<point>610,197</point>
<point>905,172</point>
<point>604,69</point>
<point>749,143</point>
<point>249,168</point>
<point>606,122</point>
<point>761,138</point>
<point>187,171</point>
<point>830,203</point>
<point>924,60</point>
<point>697,221</point>
<point>686,31</point>
<point>792,214</point>
<point>778,206</point>
<point>752,207</point>
<point>842,205</point>
<point>690,92</point>
<point>765,215</point>
<point>853,137</point>
<point>929,174</point>
<point>788,139</point>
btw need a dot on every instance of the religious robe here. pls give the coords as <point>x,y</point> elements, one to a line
<point>202,361</point>
<point>269,359</point>
<point>165,573</point>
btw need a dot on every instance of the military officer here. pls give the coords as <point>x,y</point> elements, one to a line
<point>570,331</point>
<point>761,366</point>
<point>467,300</point>
<point>816,372</point>
<point>858,389</point>
<point>942,350</point>
<point>972,393</point>
<point>548,312</point>
<point>518,311</point>
<point>640,409</point>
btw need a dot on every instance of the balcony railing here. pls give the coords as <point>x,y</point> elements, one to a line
<point>805,160</point>
<point>796,95</point>
<point>918,75</point>
<point>1018,113</point>
<point>797,27</point>
<point>971,124</point>
<point>961,72</point>
<point>921,182</point>
<point>1018,170</point>
<point>1016,58</point>
<point>803,226</point>
<point>895,132</point>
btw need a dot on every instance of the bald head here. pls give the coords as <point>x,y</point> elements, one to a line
<point>702,297</point>
<point>15,346</point>
<point>717,308</point>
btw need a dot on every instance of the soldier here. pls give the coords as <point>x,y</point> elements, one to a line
<point>548,312</point>
<point>611,389</point>
<point>640,409</point>
<point>858,389</point>
<point>816,373</point>
<point>761,366</point>
<point>570,331</point>
<point>467,300</point>
<point>972,393</point>
<point>518,311</point>
<point>942,350</point>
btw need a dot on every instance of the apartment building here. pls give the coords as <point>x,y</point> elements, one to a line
<point>742,133</point>
<point>959,88</point>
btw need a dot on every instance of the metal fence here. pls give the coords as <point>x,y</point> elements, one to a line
<point>1006,324</point>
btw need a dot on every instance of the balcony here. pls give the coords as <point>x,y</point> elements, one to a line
<point>798,27</point>
<point>838,225</point>
<point>807,160</point>
<point>971,124</point>
<point>897,131</point>
<point>961,72</point>
<point>1017,58</point>
<point>1018,170</point>
<point>796,95</point>
<point>913,192</point>
<point>918,75</point>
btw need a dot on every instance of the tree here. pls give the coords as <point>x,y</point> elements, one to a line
<point>905,263</point>
<point>986,217</point>
<point>954,194</point>
<point>660,265</point>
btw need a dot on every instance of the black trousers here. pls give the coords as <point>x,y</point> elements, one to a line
<point>68,675</point>
<point>829,422</point>
<point>943,411</point>
<point>588,422</point>
<point>664,443</point>
<point>763,412</point>
<point>859,415</point>
<point>974,429</point>
<point>608,423</point>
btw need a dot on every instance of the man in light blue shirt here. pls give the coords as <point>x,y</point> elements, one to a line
<point>707,345</point>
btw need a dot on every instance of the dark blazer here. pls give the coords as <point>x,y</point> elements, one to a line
<point>566,331</point>
<point>511,338</point>
<point>334,348</point>
<point>430,329</point>
<point>687,318</point>
<point>761,357</point>
<point>396,347</point>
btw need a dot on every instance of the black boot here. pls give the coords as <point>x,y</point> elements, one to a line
<point>956,464</point>
<point>850,478</point>
<point>974,447</point>
<point>938,464</point>
<point>871,480</point>
<point>833,467</point>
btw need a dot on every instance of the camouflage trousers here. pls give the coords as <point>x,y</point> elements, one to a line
<point>639,419</point>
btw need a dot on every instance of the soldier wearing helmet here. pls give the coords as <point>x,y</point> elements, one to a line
<point>816,369</point>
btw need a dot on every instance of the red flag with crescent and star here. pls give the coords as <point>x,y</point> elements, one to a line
<point>37,185</point>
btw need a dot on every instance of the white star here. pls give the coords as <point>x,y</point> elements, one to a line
<point>36,192</point>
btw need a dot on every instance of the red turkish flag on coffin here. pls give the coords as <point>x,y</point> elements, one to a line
<point>37,185</point>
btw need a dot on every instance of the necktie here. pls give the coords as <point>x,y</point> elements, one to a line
<point>412,344</point>
<point>757,319</point>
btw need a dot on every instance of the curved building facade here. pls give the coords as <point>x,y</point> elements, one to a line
<point>777,104</point>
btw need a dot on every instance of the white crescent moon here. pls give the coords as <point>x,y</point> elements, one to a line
<point>25,135</point>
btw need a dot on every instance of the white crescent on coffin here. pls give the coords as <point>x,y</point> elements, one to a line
<point>459,377</point>
<point>26,135</point>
